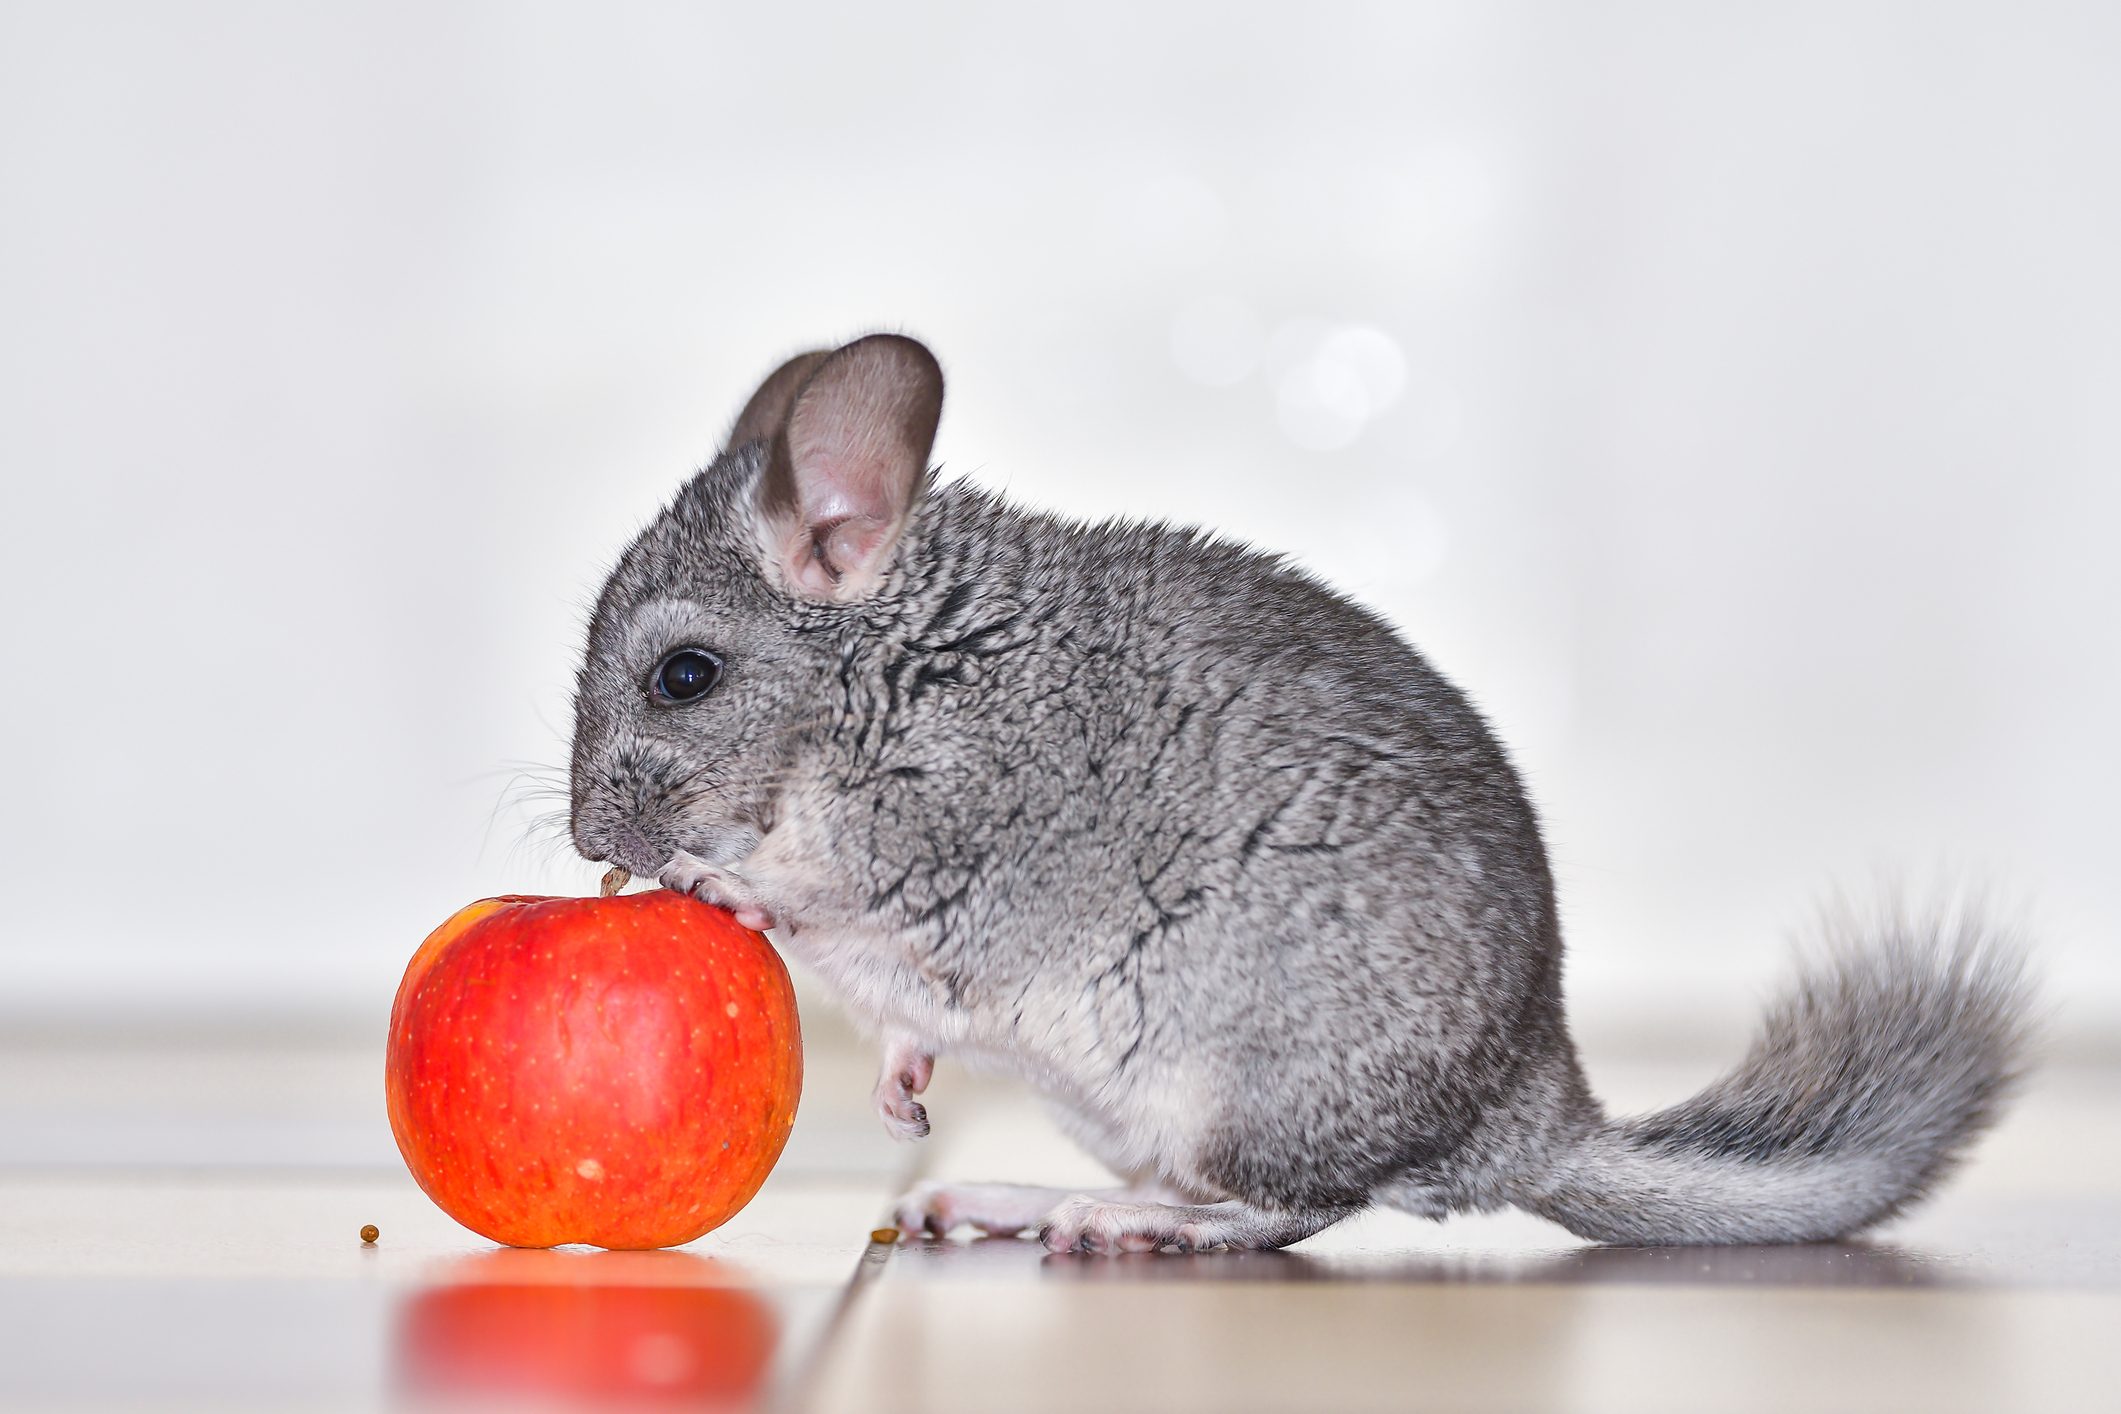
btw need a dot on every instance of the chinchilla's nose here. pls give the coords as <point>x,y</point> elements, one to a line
<point>622,843</point>
<point>631,850</point>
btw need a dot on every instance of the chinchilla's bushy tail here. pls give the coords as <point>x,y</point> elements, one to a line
<point>1867,1083</point>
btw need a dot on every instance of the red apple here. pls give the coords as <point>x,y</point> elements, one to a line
<point>617,1071</point>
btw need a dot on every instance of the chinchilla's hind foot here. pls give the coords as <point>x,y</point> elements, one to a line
<point>996,1209</point>
<point>1087,1224</point>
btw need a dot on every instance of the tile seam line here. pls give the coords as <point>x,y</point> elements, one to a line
<point>802,1388</point>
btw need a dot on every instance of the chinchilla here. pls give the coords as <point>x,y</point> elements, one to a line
<point>1200,848</point>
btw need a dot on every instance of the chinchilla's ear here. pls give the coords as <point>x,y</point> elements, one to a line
<point>844,469</point>
<point>767,412</point>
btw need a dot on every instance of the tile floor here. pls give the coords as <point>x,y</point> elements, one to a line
<point>178,1231</point>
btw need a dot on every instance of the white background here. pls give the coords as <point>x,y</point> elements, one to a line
<point>1729,397</point>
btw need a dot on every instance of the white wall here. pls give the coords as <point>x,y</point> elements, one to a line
<point>1737,418</point>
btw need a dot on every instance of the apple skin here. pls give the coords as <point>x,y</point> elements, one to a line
<point>616,1071</point>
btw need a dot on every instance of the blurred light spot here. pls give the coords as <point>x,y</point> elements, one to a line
<point>1333,381</point>
<point>1294,341</point>
<point>1217,341</point>
<point>1308,415</point>
<point>1369,363</point>
<point>659,1358</point>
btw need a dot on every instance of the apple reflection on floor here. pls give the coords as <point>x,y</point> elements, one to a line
<point>608,1329</point>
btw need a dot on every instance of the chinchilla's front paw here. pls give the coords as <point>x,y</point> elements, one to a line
<point>907,1070</point>
<point>688,874</point>
<point>904,1116</point>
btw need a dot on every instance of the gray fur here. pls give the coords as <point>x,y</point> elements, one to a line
<point>1224,868</point>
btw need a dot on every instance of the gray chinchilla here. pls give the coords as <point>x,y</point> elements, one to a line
<point>1200,848</point>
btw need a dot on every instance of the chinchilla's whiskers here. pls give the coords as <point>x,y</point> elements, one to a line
<point>551,827</point>
<point>529,783</point>
<point>545,841</point>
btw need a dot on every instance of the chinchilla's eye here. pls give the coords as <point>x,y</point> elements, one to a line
<point>686,675</point>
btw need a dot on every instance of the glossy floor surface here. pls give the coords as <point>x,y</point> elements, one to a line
<point>178,1230</point>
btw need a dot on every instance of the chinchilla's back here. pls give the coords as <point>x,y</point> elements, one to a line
<point>1320,878</point>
